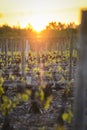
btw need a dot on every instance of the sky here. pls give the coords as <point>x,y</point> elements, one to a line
<point>39,12</point>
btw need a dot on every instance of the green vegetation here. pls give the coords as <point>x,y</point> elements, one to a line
<point>50,71</point>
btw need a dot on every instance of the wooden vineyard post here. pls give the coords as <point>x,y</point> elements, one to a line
<point>12,49</point>
<point>1,46</point>
<point>27,48</point>
<point>6,52</point>
<point>80,105</point>
<point>23,56</point>
<point>71,51</point>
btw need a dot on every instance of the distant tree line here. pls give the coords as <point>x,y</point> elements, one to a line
<point>54,36</point>
<point>52,29</point>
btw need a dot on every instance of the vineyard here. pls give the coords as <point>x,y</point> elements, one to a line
<point>37,86</point>
<point>36,89</point>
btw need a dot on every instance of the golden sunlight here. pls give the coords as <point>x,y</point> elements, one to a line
<point>38,26</point>
<point>39,22</point>
<point>39,13</point>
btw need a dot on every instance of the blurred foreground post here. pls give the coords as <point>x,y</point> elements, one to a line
<point>80,106</point>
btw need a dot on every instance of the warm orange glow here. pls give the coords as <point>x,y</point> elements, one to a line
<point>38,27</point>
<point>38,22</point>
<point>39,13</point>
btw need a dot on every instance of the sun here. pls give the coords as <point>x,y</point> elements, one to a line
<point>36,25</point>
<point>39,22</point>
